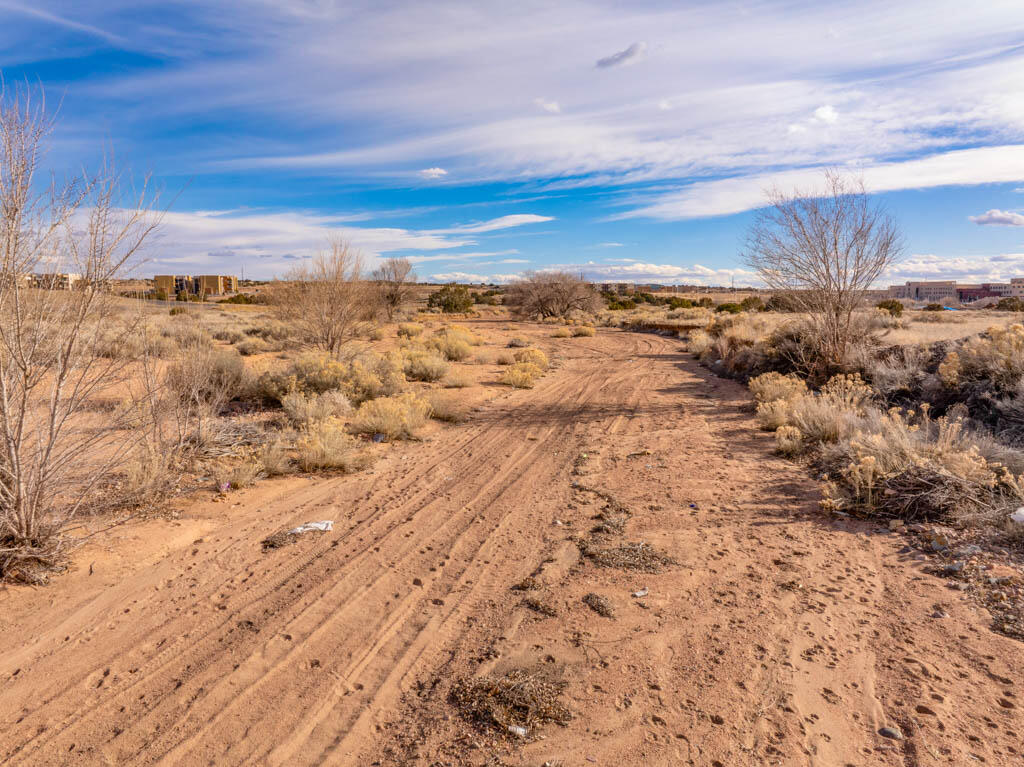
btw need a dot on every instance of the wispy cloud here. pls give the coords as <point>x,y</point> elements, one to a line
<point>997,217</point>
<point>734,195</point>
<point>493,225</point>
<point>624,57</point>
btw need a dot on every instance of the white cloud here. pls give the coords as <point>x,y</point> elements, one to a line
<point>433,173</point>
<point>608,245</point>
<point>665,105</point>
<point>552,107</point>
<point>972,268</point>
<point>502,222</point>
<point>1000,164</point>
<point>794,128</point>
<point>471,277</point>
<point>265,243</point>
<point>826,114</point>
<point>623,58</point>
<point>997,217</point>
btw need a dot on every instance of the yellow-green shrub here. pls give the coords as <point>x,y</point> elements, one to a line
<point>533,356</point>
<point>773,386</point>
<point>398,417</point>
<point>424,366</point>
<point>521,375</point>
<point>583,331</point>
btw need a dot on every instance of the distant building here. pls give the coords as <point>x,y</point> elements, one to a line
<point>201,285</point>
<point>930,292</point>
<point>214,284</point>
<point>57,281</point>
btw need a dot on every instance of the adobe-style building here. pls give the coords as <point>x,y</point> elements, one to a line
<point>201,285</point>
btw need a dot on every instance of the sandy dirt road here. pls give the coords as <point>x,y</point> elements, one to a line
<point>780,636</point>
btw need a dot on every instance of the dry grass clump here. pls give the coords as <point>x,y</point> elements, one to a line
<point>303,409</point>
<point>397,417</point>
<point>641,557</point>
<point>326,446</point>
<point>409,329</point>
<point>425,366</point>
<point>504,358</point>
<point>915,468</point>
<point>518,699</point>
<point>534,357</point>
<point>274,458</point>
<point>240,475</point>
<point>521,375</point>
<point>445,407</point>
<point>518,342</point>
<point>599,605</point>
<point>454,343</point>
<point>458,378</point>
<point>583,331</point>
<point>562,333</point>
<point>252,346</point>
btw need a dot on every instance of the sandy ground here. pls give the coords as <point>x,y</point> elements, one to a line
<point>779,637</point>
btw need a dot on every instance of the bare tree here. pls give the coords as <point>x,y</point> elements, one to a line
<point>394,279</point>
<point>822,251</point>
<point>327,300</point>
<point>551,294</point>
<point>60,247</point>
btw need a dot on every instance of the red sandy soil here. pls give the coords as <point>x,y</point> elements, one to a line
<point>781,636</point>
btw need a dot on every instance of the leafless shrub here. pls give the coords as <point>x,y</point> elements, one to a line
<point>53,455</point>
<point>822,251</point>
<point>394,278</point>
<point>551,294</point>
<point>327,301</point>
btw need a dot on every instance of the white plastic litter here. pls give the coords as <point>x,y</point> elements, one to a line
<point>1018,516</point>
<point>641,593</point>
<point>515,729</point>
<point>324,527</point>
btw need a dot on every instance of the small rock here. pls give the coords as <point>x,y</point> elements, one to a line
<point>924,710</point>
<point>891,732</point>
<point>716,719</point>
<point>940,614</point>
<point>895,524</point>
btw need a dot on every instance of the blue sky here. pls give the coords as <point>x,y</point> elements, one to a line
<point>630,141</point>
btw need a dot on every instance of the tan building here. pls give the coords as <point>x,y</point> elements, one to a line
<point>202,285</point>
<point>924,291</point>
<point>165,282</point>
<point>215,284</point>
<point>64,281</point>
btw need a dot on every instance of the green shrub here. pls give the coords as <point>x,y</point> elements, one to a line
<point>730,307</point>
<point>891,305</point>
<point>934,308</point>
<point>451,299</point>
